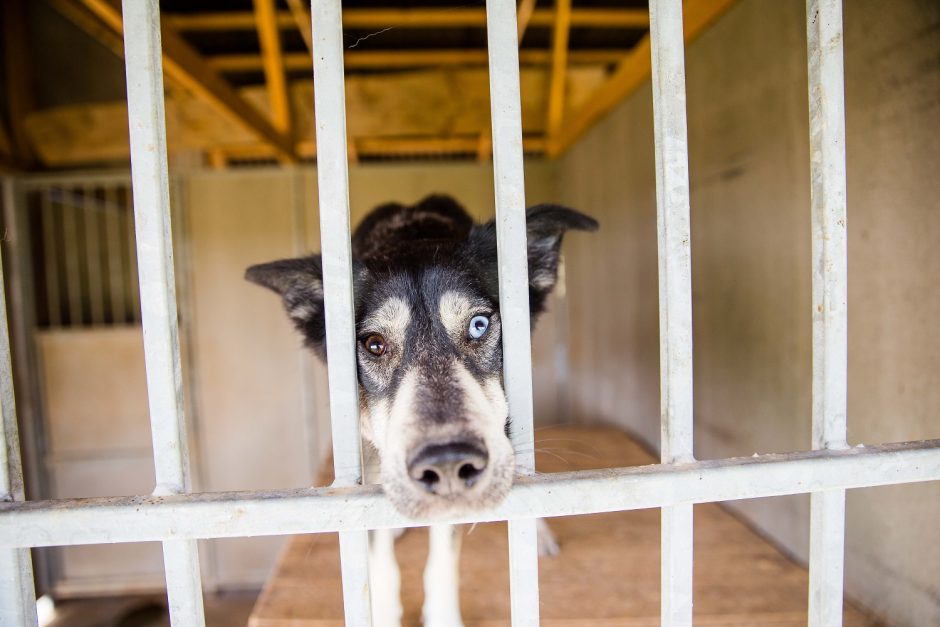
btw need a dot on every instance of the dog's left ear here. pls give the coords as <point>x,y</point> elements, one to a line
<point>300,284</point>
<point>545,228</point>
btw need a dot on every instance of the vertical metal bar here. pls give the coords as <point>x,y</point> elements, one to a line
<point>158,292</point>
<point>506,114</point>
<point>133,300</point>
<point>17,595</point>
<point>90,211</point>
<point>830,314</point>
<point>73,279</point>
<point>50,259</point>
<point>675,295</point>
<point>112,223</point>
<point>333,177</point>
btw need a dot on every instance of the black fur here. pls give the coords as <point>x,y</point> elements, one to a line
<point>422,248</point>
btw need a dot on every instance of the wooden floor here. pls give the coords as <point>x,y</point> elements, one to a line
<point>607,572</point>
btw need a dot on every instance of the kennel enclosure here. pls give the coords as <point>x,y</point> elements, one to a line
<point>178,519</point>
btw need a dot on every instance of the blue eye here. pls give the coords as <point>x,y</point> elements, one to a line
<point>478,326</point>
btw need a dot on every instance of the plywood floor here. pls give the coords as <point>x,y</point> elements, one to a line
<point>607,572</point>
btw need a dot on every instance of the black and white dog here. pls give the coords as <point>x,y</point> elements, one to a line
<point>430,365</point>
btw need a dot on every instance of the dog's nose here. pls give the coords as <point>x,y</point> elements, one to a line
<point>448,469</point>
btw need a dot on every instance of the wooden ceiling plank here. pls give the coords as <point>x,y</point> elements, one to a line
<point>632,72</point>
<point>272,57</point>
<point>556,89</point>
<point>413,18</point>
<point>384,147</point>
<point>184,65</point>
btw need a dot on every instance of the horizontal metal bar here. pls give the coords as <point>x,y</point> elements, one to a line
<point>317,510</point>
<point>30,182</point>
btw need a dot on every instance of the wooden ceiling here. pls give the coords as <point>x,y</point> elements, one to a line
<point>238,75</point>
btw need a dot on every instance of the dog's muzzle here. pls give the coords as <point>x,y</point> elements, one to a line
<point>450,469</point>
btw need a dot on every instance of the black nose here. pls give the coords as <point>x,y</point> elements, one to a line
<point>448,469</point>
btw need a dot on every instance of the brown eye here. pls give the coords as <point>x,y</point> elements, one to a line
<point>375,344</point>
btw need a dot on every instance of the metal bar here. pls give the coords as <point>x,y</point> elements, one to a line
<point>830,307</point>
<point>32,182</point>
<point>506,115</point>
<point>50,260</point>
<point>144,70</point>
<point>675,295</point>
<point>91,214</point>
<point>333,178</point>
<point>133,288</point>
<point>319,510</point>
<point>73,281</point>
<point>17,595</point>
<point>112,223</point>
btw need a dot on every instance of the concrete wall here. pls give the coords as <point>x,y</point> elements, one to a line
<point>751,277</point>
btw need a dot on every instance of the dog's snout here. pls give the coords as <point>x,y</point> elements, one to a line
<point>448,469</point>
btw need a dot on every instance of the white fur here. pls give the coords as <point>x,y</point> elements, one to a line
<point>455,311</point>
<point>384,579</point>
<point>441,578</point>
<point>388,421</point>
<point>391,318</point>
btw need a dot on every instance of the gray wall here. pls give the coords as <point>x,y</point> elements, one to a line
<point>751,277</point>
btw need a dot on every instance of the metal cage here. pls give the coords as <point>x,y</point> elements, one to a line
<point>178,518</point>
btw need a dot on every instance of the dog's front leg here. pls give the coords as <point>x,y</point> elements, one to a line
<point>384,579</point>
<point>441,578</point>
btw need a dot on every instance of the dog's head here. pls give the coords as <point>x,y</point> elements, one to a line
<point>429,348</point>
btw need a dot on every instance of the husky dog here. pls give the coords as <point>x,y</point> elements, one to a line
<point>430,368</point>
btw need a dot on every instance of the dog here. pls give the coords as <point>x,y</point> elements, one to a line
<point>430,369</point>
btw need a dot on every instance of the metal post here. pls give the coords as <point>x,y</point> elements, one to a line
<point>830,319</point>
<point>333,177</point>
<point>91,213</point>
<point>150,180</point>
<point>17,595</point>
<point>112,220</point>
<point>675,295</point>
<point>50,259</point>
<point>506,114</point>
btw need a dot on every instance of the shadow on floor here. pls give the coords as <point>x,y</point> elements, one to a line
<point>222,610</point>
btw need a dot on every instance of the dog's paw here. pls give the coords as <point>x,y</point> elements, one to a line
<point>385,621</point>
<point>386,611</point>
<point>548,545</point>
<point>440,619</point>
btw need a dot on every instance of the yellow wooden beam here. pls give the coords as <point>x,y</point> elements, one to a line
<point>300,13</point>
<point>523,17</point>
<point>556,89</point>
<point>413,18</point>
<point>184,65</point>
<point>403,59</point>
<point>273,60</point>
<point>17,90</point>
<point>632,72</point>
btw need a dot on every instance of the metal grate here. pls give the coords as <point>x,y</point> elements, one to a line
<point>84,258</point>
<point>177,519</point>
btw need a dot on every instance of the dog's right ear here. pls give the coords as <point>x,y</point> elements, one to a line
<point>300,284</point>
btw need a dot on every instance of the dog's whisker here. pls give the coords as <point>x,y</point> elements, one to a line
<point>547,452</point>
<point>571,452</point>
